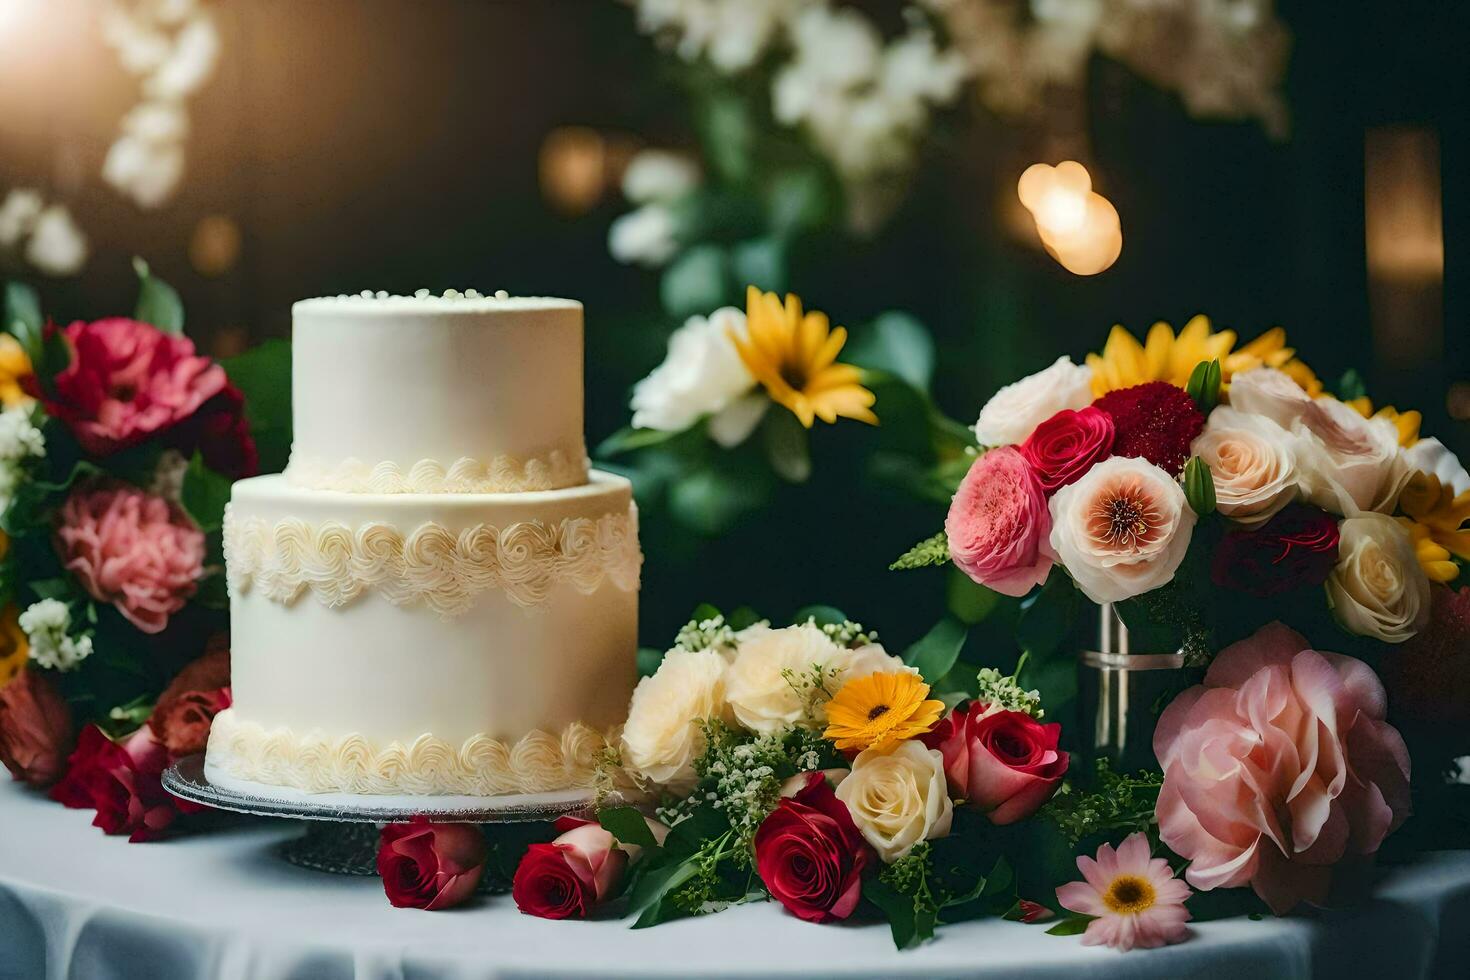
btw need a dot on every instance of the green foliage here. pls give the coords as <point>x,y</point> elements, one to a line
<point>930,551</point>
<point>626,823</point>
<point>627,439</point>
<point>1072,925</point>
<point>820,615</point>
<point>1199,487</point>
<point>937,882</point>
<point>1204,385</point>
<point>788,446</point>
<point>23,319</point>
<point>205,494</point>
<point>1048,614</point>
<point>741,774</point>
<point>648,660</point>
<point>898,344</point>
<point>935,654</point>
<point>158,302</point>
<point>968,600</point>
<point>263,375</point>
<point>1350,386</point>
<point>698,281</point>
<point>1115,804</point>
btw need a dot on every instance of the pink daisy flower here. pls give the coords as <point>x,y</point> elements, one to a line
<point>1136,899</point>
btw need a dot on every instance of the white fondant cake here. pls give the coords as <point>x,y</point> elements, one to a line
<point>437,597</point>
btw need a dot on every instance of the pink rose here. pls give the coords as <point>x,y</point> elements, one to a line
<point>999,527</point>
<point>572,875</point>
<point>128,381</point>
<point>427,865</point>
<point>1277,767</point>
<point>36,733</point>
<point>137,551</point>
<point>1003,762</point>
<point>1065,446</point>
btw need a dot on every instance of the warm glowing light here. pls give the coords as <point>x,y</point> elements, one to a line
<point>12,12</point>
<point>1078,226</point>
<point>573,168</point>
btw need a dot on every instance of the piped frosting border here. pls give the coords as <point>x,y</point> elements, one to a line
<point>538,762</point>
<point>431,564</point>
<point>553,470</point>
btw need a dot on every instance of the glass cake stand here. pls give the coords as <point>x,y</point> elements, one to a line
<point>341,833</point>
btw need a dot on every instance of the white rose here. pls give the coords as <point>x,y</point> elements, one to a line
<point>58,247</point>
<point>646,237</point>
<point>771,684</point>
<point>1252,462</point>
<point>898,798</point>
<point>662,736</point>
<point>1269,392</point>
<point>1378,588</point>
<point>1346,463</point>
<point>1431,456</point>
<point>702,375</point>
<point>1122,529</point>
<point>658,175</point>
<point>1017,409</point>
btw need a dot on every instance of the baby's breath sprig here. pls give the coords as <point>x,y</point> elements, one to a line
<point>993,687</point>
<point>847,633</point>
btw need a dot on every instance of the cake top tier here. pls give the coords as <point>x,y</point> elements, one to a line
<point>457,393</point>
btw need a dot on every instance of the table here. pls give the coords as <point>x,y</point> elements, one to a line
<point>76,903</point>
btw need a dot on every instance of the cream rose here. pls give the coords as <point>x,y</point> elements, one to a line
<point>849,665</point>
<point>1252,461</point>
<point>1378,588</point>
<point>771,683</point>
<point>898,798</point>
<point>1122,529</point>
<point>1346,463</point>
<point>1269,392</point>
<point>662,736</point>
<point>1014,411</point>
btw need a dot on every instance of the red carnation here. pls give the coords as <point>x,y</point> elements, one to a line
<point>811,856</point>
<point>1064,447</point>
<point>1428,677</point>
<point>1155,421</point>
<point>1295,549</point>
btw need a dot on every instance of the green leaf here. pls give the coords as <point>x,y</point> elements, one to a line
<point>1047,615</point>
<point>1071,926</point>
<point>648,660</point>
<point>263,375</point>
<point>936,652</point>
<point>628,826</point>
<point>897,344</point>
<point>1199,487</point>
<point>788,446</point>
<point>930,551</point>
<point>728,134</point>
<point>696,282</point>
<point>760,263</point>
<point>743,617</point>
<point>628,439</point>
<point>1204,385</point>
<point>655,885</point>
<point>205,494</point>
<point>23,318</point>
<point>158,302</point>
<point>798,200</point>
<point>711,501</point>
<point>1351,386</point>
<point>967,599</point>
<point>821,615</point>
<point>898,909</point>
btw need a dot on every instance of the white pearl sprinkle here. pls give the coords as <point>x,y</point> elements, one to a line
<point>471,294</point>
<point>501,294</point>
<point>421,294</point>
<point>382,294</point>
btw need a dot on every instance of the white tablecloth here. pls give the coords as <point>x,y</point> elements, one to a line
<point>75,903</point>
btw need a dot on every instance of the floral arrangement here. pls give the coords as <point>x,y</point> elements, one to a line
<point>118,443</point>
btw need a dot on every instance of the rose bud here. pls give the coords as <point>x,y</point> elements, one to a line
<point>1006,763</point>
<point>36,733</point>
<point>810,855</point>
<point>572,875</point>
<point>427,865</point>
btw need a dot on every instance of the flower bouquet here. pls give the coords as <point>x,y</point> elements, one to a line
<point>118,443</point>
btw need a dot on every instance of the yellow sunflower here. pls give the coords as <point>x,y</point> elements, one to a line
<point>1163,356</point>
<point>14,365</point>
<point>1436,524</point>
<point>881,710</point>
<point>794,355</point>
<point>14,648</point>
<point>1406,422</point>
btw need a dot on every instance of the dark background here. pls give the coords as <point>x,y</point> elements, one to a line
<point>390,144</point>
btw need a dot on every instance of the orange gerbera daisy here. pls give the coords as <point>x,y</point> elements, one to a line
<point>881,710</point>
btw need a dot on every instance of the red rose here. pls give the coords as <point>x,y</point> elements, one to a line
<point>1295,549</point>
<point>185,710</point>
<point>1428,676</point>
<point>572,875</point>
<point>1003,762</point>
<point>1155,421</point>
<point>811,856</point>
<point>36,733</point>
<point>428,865</point>
<point>121,781</point>
<point>1064,447</point>
<point>129,381</point>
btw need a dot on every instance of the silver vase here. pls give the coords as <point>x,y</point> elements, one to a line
<point>1119,689</point>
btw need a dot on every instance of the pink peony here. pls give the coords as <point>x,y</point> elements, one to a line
<point>129,381</point>
<point>999,527</point>
<point>132,549</point>
<point>1135,897</point>
<point>1277,767</point>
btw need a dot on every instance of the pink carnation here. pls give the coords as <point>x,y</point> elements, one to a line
<point>132,549</point>
<point>1279,766</point>
<point>999,527</point>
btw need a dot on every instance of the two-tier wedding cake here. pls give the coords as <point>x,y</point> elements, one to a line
<point>437,596</point>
